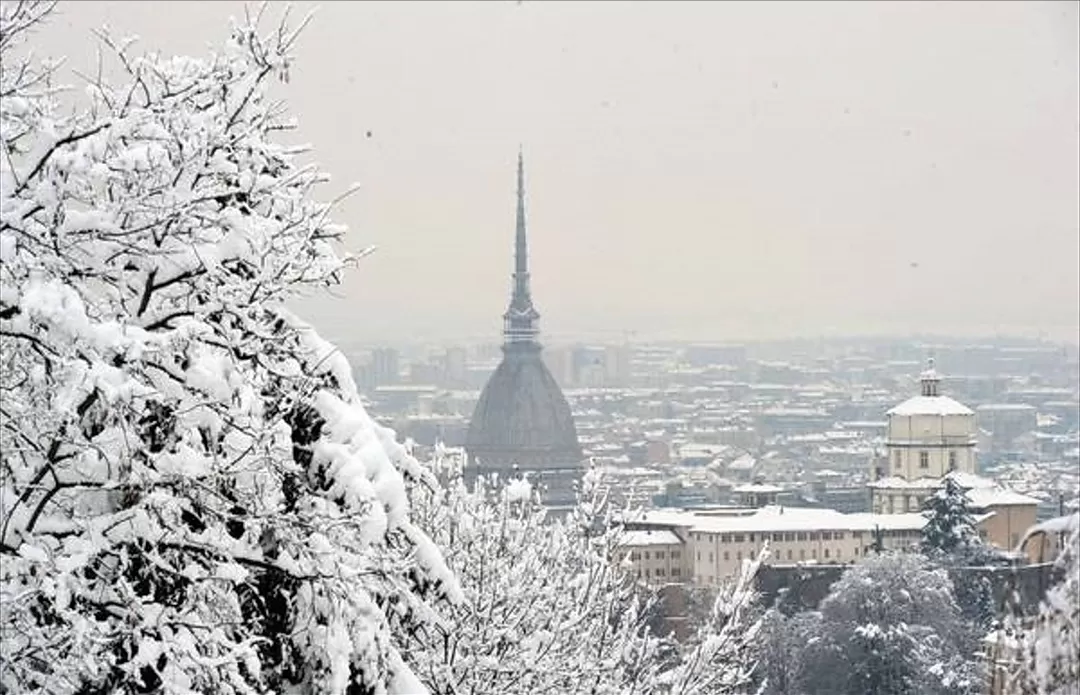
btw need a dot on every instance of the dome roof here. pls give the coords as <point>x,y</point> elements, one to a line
<point>522,417</point>
<point>930,405</point>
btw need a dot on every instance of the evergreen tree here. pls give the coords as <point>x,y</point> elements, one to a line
<point>878,546</point>
<point>950,527</point>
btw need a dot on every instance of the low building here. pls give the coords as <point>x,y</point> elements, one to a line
<point>712,544</point>
<point>657,556</point>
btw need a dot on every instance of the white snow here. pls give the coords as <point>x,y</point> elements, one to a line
<point>518,490</point>
<point>637,539</point>
<point>930,405</point>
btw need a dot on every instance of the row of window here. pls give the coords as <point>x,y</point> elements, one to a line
<point>658,554</point>
<point>778,537</point>
<point>675,572</point>
<point>836,554</point>
<point>924,459</point>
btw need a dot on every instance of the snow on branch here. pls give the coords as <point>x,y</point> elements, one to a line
<point>193,497</point>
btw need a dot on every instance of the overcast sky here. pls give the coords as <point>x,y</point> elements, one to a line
<point>727,170</point>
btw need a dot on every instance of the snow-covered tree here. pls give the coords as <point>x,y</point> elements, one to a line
<point>722,656</point>
<point>889,626</point>
<point>193,498</point>
<point>549,607</point>
<point>782,646</point>
<point>1050,643</point>
<point>950,526</point>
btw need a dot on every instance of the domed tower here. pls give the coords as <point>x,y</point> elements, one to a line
<point>929,437</point>
<point>522,422</point>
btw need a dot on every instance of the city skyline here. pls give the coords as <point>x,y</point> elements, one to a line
<point>686,182</point>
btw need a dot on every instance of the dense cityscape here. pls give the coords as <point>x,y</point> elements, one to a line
<point>682,425</point>
<point>209,484</point>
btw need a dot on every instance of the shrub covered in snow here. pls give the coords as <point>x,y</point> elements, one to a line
<point>193,498</point>
<point>549,609</point>
<point>889,626</point>
<point>1049,659</point>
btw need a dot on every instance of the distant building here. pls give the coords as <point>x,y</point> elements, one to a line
<point>1006,429</point>
<point>616,366</point>
<point>456,368</point>
<point>522,422</point>
<point>928,436</point>
<point>385,368</point>
<point>931,437</point>
<point>712,544</point>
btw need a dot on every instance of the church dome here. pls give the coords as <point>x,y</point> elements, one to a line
<point>522,417</point>
<point>522,423</point>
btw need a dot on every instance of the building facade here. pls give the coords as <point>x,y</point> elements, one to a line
<point>707,548</point>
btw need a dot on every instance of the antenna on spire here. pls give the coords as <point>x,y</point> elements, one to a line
<point>519,321</point>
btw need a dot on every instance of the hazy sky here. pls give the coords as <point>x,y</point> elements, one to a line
<point>727,170</point>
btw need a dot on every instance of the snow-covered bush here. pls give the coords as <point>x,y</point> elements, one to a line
<point>888,626</point>
<point>546,609</point>
<point>193,498</point>
<point>550,609</point>
<point>1049,659</point>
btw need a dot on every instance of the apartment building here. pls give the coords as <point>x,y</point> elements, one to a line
<point>708,547</point>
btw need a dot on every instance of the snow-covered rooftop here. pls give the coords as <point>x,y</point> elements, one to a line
<point>637,539</point>
<point>777,519</point>
<point>758,488</point>
<point>982,492</point>
<point>998,497</point>
<point>930,405</point>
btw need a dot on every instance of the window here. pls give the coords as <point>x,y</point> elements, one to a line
<point>789,537</point>
<point>813,553</point>
<point>825,535</point>
<point>826,552</point>
<point>699,556</point>
<point>814,536</point>
<point>856,551</point>
<point>897,459</point>
<point>725,538</point>
<point>800,536</point>
<point>646,554</point>
<point>838,535</point>
<point>777,537</point>
<point>726,556</point>
<point>738,538</point>
<point>789,553</point>
<point>710,557</point>
<point>635,556</point>
<point>952,460</point>
<point>646,572</point>
<point>674,554</point>
<point>738,556</point>
<point>659,571</point>
<point>802,553</point>
<point>751,537</point>
<point>675,571</point>
<point>659,554</point>
<point>924,459</point>
<point>856,534</point>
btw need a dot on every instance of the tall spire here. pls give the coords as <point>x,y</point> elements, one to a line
<point>520,319</point>
<point>521,244</point>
